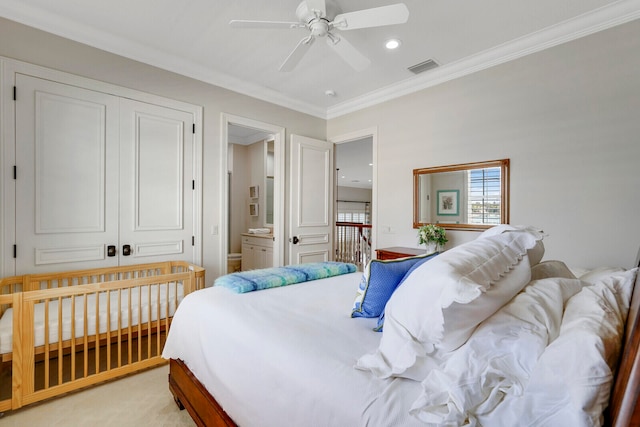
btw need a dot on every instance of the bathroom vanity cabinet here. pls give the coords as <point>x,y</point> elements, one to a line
<point>257,251</point>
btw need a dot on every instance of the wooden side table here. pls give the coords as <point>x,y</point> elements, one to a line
<point>398,252</point>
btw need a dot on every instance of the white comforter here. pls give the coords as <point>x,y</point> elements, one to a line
<point>286,356</point>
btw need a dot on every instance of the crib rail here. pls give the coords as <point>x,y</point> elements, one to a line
<point>75,329</point>
<point>109,274</point>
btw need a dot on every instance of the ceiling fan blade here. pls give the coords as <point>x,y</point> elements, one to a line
<point>241,23</point>
<point>318,5</point>
<point>347,52</point>
<point>296,55</point>
<point>374,17</point>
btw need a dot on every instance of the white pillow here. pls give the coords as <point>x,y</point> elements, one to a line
<point>571,382</point>
<point>499,356</point>
<point>442,301</point>
<point>536,253</point>
<point>598,274</point>
<point>551,268</point>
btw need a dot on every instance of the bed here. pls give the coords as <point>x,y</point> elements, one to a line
<point>483,334</point>
<point>63,331</point>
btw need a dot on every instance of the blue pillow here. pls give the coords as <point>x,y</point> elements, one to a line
<point>380,324</point>
<point>379,280</point>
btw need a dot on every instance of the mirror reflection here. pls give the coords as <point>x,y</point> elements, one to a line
<point>470,196</point>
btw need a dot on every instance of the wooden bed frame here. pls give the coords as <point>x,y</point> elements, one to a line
<point>63,365</point>
<point>623,410</point>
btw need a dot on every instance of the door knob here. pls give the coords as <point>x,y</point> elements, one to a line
<point>295,240</point>
<point>126,250</point>
<point>111,250</point>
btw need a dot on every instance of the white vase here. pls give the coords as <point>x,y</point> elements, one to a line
<point>433,247</point>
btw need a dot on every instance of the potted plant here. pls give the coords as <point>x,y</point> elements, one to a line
<point>433,237</point>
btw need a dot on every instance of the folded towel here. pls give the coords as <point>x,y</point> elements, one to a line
<point>259,231</point>
<point>254,280</point>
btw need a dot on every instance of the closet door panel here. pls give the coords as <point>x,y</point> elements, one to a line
<point>156,162</point>
<point>67,184</point>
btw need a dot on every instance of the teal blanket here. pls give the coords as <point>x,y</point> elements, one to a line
<point>255,280</point>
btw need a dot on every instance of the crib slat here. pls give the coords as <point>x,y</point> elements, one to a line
<point>97,347</point>
<point>119,328</point>
<point>108,350</point>
<point>85,326</point>
<point>47,359</point>
<point>60,340</point>
<point>129,327</point>
<point>73,337</point>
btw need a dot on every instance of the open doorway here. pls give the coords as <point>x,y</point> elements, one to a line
<point>253,158</point>
<point>354,199</point>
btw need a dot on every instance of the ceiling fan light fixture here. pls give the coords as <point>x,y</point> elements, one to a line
<point>392,44</point>
<point>320,22</point>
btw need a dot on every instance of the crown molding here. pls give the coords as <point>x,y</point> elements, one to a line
<point>17,11</point>
<point>606,17</point>
<point>589,23</point>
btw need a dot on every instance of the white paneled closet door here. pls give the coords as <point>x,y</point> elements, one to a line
<point>156,183</point>
<point>102,180</point>
<point>67,176</point>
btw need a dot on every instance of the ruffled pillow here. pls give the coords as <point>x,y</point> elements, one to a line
<point>442,301</point>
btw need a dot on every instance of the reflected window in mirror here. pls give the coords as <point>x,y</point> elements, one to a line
<point>470,196</point>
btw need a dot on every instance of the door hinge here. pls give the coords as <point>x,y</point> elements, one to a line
<point>193,240</point>
<point>15,93</point>
<point>15,251</point>
<point>193,184</point>
<point>194,128</point>
<point>15,172</point>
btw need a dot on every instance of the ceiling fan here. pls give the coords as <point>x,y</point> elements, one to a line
<point>314,16</point>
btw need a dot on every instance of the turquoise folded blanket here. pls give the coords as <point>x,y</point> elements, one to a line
<point>255,280</point>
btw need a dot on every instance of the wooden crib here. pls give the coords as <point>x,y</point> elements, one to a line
<point>63,331</point>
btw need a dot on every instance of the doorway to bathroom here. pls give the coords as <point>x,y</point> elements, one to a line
<point>254,213</point>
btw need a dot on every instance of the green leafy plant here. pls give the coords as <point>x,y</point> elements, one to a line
<point>432,233</point>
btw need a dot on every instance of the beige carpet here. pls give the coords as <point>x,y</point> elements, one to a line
<point>141,399</point>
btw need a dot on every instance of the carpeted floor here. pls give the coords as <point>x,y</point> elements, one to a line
<point>138,400</point>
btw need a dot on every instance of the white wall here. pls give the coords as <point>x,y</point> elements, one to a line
<point>27,44</point>
<point>569,120</point>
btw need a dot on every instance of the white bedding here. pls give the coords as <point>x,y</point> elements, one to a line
<point>6,322</point>
<point>287,356</point>
<point>298,343</point>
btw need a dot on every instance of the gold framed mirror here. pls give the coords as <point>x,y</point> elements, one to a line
<point>469,196</point>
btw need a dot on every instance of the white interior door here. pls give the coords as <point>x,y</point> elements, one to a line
<point>67,176</point>
<point>156,184</point>
<point>311,200</point>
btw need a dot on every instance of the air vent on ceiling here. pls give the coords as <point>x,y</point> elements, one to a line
<point>423,66</point>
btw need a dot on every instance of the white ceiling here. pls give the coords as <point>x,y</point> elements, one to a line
<point>192,37</point>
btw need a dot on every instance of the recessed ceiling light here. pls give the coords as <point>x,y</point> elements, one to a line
<point>392,44</point>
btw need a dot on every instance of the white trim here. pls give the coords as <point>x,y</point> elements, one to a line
<point>8,69</point>
<point>600,19</point>
<point>278,185</point>
<point>572,29</point>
